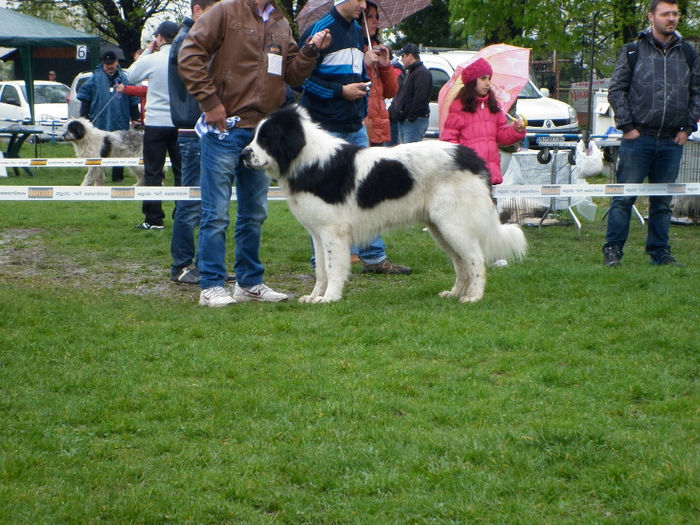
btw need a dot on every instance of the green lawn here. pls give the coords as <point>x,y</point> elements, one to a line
<point>569,394</point>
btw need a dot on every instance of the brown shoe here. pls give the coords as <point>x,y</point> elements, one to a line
<point>354,258</point>
<point>387,267</point>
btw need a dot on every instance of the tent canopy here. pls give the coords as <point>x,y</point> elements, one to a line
<point>27,32</point>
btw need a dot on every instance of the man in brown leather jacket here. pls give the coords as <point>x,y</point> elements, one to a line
<point>235,61</point>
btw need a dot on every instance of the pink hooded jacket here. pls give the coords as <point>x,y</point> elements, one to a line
<point>482,131</point>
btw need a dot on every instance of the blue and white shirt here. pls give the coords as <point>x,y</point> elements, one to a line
<point>340,64</point>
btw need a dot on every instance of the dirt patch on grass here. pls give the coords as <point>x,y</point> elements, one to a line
<point>25,257</point>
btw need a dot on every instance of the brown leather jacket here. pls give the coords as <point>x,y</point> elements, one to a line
<point>232,57</point>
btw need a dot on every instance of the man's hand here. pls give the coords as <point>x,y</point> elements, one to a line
<point>681,138</point>
<point>216,117</point>
<point>632,134</point>
<point>119,87</point>
<point>320,40</point>
<point>355,90</point>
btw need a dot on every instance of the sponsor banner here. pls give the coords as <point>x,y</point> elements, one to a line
<point>192,193</point>
<point>73,163</point>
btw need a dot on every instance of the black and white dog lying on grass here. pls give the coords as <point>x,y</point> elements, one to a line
<point>345,195</point>
<point>92,143</point>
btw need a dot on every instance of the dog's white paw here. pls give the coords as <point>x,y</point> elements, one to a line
<point>305,299</point>
<point>446,293</point>
<point>469,299</point>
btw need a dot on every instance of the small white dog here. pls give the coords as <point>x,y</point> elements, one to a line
<point>345,195</point>
<point>91,142</point>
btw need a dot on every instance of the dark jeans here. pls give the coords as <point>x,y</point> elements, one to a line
<point>187,213</point>
<point>157,141</point>
<point>641,158</point>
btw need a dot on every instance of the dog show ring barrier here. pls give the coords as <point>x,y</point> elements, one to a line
<point>101,193</point>
<point>174,193</point>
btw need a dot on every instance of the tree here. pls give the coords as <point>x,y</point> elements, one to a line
<point>564,25</point>
<point>431,27</point>
<point>120,21</point>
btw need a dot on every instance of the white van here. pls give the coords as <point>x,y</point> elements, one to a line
<point>50,106</point>
<point>543,114</point>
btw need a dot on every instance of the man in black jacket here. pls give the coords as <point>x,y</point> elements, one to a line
<point>410,108</point>
<point>184,111</point>
<point>655,94</point>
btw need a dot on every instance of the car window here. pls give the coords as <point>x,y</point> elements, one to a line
<point>49,93</point>
<point>439,79</point>
<point>529,91</point>
<point>10,95</point>
<point>80,83</point>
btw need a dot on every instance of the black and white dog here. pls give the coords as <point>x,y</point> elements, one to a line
<point>93,143</point>
<point>345,195</point>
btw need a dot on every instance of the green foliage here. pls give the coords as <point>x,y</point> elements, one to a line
<point>568,395</point>
<point>564,25</point>
<point>431,27</point>
<point>120,21</point>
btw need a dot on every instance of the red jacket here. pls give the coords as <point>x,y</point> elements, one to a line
<point>384,85</point>
<point>482,131</point>
<point>138,91</point>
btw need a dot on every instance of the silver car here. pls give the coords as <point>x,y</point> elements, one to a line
<point>73,102</point>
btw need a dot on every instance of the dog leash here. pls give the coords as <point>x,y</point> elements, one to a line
<point>114,95</point>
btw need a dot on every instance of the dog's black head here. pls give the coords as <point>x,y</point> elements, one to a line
<point>75,130</point>
<point>279,139</point>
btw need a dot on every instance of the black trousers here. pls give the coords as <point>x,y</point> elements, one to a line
<point>157,141</point>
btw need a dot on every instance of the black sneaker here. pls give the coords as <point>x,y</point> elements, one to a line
<point>146,226</point>
<point>666,259</point>
<point>612,255</point>
<point>186,275</point>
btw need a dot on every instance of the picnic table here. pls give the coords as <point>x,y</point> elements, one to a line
<point>17,136</point>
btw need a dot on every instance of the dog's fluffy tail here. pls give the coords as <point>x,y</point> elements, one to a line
<point>506,242</point>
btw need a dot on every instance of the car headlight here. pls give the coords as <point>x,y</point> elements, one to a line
<point>573,118</point>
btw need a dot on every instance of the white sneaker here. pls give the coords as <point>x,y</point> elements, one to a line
<point>500,263</point>
<point>259,292</point>
<point>215,296</point>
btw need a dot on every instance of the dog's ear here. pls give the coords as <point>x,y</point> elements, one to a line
<point>77,129</point>
<point>282,137</point>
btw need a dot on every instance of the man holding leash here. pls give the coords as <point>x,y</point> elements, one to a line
<point>107,109</point>
<point>336,94</point>
<point>655,94</point>
<point>235,61</point>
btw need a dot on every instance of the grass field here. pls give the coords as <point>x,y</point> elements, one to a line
<point>569,394</point>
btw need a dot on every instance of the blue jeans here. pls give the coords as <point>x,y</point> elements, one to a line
<point>659,160</point>
<point>375,251</point>
<point>412,131</point>
<point>187,213</point>
<point>221,167</point>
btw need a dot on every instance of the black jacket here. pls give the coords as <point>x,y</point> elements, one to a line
<point>662,95</point>
<point>184,108</point>
<point>413,98</point>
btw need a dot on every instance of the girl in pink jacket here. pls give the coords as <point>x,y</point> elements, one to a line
<point>476,121</point>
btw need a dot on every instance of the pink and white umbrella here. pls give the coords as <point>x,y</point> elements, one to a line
<point>511,71</point>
